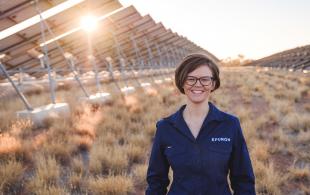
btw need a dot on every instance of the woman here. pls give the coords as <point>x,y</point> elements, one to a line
<point>199,142</point>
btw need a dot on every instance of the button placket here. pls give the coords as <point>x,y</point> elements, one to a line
<point>199,163</point>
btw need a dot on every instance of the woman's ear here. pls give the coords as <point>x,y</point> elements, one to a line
<point>212,85</point>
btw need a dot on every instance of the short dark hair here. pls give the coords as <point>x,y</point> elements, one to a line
<point>192,62</point>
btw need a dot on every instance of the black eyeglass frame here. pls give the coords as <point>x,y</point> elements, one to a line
<point>199,79</point>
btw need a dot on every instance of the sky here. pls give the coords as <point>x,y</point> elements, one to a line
<point>227,28</point>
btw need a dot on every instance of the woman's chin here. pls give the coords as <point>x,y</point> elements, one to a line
<point>198,100</point>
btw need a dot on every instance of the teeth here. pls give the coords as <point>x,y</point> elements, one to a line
<point>197,92</point>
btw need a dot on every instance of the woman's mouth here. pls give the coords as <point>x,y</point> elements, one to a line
<point>197,91</point>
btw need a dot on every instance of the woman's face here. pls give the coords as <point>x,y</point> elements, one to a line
<point>198,93</point>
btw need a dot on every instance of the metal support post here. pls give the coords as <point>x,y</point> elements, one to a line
<point>22,97</point>
<point>121,59</point>
<point>72,65</point>
<point>110,69</point>
<point>45,58</point>
<point>95,70</point>
<point>20,77</point>
<point>62,51</point>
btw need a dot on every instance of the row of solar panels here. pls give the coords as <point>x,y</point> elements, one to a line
<point>122,33</point>
<point>294,59</point>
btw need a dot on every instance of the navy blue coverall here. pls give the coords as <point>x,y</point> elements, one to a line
<point>200,166</point>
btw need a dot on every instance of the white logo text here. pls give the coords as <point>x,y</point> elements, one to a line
<point>220,139</point>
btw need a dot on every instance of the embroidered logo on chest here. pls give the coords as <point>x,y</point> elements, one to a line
<point>220,139</point>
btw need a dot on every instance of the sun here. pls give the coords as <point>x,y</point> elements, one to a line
<point>89,23</point>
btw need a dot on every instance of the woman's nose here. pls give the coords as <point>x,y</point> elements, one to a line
<point>198,84</point>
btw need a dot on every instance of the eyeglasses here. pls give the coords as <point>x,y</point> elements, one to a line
<point>204,81</point>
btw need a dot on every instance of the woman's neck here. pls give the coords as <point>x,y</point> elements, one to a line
<point>197,110</point>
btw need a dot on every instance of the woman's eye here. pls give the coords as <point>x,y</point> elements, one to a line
<point>205,80</point>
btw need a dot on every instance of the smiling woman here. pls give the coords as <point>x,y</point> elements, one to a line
<point>199,142</point>
<point>199,69</point>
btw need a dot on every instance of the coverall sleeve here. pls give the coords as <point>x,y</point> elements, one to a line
<point>241,172</point>
<point>157,172</point>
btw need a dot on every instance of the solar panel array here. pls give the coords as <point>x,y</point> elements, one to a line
<point>123,37</point>
<point>294,59</point>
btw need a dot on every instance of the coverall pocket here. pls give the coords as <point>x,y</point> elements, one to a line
<point>172,151</point>
<point>177,158</point>
<point>219,150</point>
<point>217,159</point>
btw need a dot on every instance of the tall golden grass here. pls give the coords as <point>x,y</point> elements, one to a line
<point>104,149</point>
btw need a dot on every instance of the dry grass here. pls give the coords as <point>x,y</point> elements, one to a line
<point>260,151</point>
<point>268,179</point>
<point>277,127</point>
<point>139,173</point>
<point>104,149</point>
<point>11,174</point>
<point>111,185</point>
<point>300,174</point>
<point>297,122</point>
<point>136,154</point>
<point>47,176</point>
<point>104,160</point>
<point>77,183</point>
